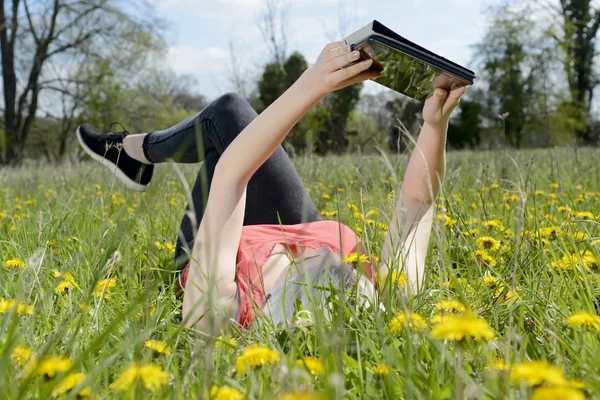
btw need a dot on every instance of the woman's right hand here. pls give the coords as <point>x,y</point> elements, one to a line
<point>327,74</point>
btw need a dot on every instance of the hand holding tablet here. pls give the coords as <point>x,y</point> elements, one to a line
<point>405,66</point>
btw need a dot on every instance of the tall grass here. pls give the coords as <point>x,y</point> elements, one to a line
<point>79,219</point>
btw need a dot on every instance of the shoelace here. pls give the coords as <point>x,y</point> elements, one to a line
<point>117,145</point>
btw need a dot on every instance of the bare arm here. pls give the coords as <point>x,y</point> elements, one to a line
<point>212,269</point>
<point>405,245</point>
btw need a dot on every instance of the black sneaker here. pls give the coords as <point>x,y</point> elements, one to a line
<point>106,148</point>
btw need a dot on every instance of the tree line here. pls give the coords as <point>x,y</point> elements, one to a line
<point>65,62</point>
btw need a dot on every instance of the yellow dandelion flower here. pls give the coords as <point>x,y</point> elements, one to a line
<point>21,354</point>
<point>14,264</point>
<point>157,346</point>
<point>584,320</point>
<point>313,365</point>
<point>355,259</point>
<point>534,373</point>
<point>152,376</point>
<point>70,382</point>
<point>326,196</point>
<point>550,232</point>
<point>413,320</point>
<point>586,215</point>
<point>225,393</point>
<point>227,339</point>
<point>490,281</point>
<point>68,282</point>
<point>462,327</point>
<point>302,395</point>
<point>485,258</point>
<point>255,356</point>
<point>494,186</point>
<point>7,305</point>
<point>358,214</point>
<point>493,224</point>
<point>396,278</point>
<point>159,245</point>
<point>556,392</point>
<point>48,366</point>
<point>450,306</point>
<point>488,243</point>
<point>379,369</point>
<point>499,365</point>
<point>104,287</point>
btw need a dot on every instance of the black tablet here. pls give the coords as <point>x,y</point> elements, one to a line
<point>406,67</point>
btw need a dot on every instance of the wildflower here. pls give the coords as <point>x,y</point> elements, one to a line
<point>225,393</point>
<point>329,214</point>
<point>255,356</point>
<point>71,381</point>
<point>450,306</point>
<point>413,320</point>
<point>230,340</point>
<point>584,215</point>
<point>67,283</point>
<point>396,278</point>
<point>565,263</point>
<point>7,305</point>
<point>326,196</point>
<point>314,365</point>
<point>48,366</point>
<point>355,258</point>
<point>462,327</point>
<point>170,247</point>
<point>21,354</point>
<point>14,264</point>
<point>305,395</point>
<point>157,346</point>
<point>589,260</point>
<point>485,258</point>
<point>379,369</point>
<point>449,222</point>
<point>556,392</point>
<point>503,293</point>
<point>534,373</point>
<point>159,245</point>
<point>499,365</point>
<point>488,243</point>
<point>103,288</point>
<point>493,224</point>
<point>584,320</point>
<point>152,376</point>
<point>490,281</point>
<point>550,232</point>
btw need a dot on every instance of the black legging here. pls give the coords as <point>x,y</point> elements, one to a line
<point>275,188</point>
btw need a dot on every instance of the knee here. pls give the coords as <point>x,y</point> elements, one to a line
<point>230,102</point>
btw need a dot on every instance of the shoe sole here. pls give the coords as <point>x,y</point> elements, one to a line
<point>131,184</point>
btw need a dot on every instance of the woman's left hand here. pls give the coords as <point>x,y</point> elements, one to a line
<point>439,106</point>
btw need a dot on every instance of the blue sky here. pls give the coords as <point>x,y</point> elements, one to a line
<point>201,30</point>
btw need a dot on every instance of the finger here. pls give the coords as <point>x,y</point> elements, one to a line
<point>457,93</point>
<point>336,52</point>
<point>333,45</point>
<point>438,98</point>
<point>350,72</point>
<point>363,76</point>
<point>341,60</point>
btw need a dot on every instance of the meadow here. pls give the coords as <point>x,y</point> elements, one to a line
<point>88,306</point>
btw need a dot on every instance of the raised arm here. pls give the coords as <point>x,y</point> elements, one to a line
<point>405,245</point>
<point>213,259</point>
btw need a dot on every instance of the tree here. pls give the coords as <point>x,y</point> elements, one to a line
<point>580,23</point>
<point>508,56</point>
<point>33,35</point>
<point>465,129</point>
<point>272,24</point>
<point>405,115</point>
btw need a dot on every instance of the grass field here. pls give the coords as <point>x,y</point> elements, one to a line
<point>86,281</point>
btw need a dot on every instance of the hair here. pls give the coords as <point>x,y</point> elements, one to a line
<point>316,287</point>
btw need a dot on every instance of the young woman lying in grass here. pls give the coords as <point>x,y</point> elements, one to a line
<point>252,237</point>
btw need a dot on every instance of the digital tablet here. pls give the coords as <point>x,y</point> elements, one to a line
<point>406,67</point>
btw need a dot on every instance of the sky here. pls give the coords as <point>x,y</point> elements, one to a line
<point>201,31</point>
